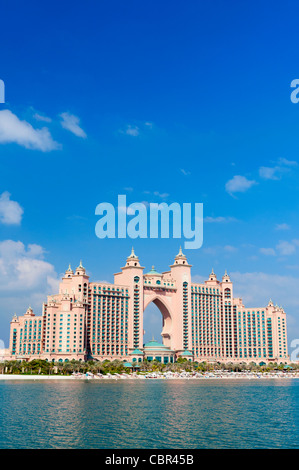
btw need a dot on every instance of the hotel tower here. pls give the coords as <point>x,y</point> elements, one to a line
<point>201,321</point>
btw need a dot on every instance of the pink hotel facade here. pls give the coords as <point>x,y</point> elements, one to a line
<point>201,321</point>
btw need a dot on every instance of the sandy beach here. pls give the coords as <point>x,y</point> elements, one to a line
<point>158,376</point>
<point>35,377</point>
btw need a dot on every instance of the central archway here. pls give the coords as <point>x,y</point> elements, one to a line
<point>166,316</point>
<point>152,324</point>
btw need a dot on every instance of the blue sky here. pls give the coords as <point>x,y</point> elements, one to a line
<point>161,101</point>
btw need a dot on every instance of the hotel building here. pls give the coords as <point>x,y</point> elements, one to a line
<point>201,321</point>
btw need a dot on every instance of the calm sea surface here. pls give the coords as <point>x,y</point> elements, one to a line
<point>181,414</point>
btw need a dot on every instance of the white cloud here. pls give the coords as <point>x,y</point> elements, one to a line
<point>269,173</point>
<point>40,117</point>
<point>10,211</point>
<point>35,251</point>
<point>132,130</point>
<point>220,251</point>
<point>283,248</point>
<point>292,266</point>
<point>71,123</point>
<point>157,193</point>
<point>25,279</point>
<point>286,248</point>
<point>161,195</point>
<point>13,130</point>
<point>284,161</point>
<point>257,288</point>
<point>230,248</point>
<point>185,172</point>
<point>239,184</point>
<point>282,227</point>
<point>277,171</point>
<point>199,279</point>
<point>219,219</point>
<point>23,269</point>
<point>268,251</point>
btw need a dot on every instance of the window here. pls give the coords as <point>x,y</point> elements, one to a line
<point>227,293</point>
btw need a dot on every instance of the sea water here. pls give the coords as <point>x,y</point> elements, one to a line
<point>149,414</point>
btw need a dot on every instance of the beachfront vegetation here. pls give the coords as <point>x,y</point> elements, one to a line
<point>38,366</point>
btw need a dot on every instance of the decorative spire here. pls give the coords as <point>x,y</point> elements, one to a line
<point>226,277</point>
<point>69,270</point>
<point>29,311</point>
<point>132,255</point>
<point>80,267</point>
<point>212,275</point>
<point>180,254</point>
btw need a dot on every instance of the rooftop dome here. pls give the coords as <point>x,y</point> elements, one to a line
<point>153,272</point>
<point>153,344</point>
<point>136,352</point>
<point>187,353</point>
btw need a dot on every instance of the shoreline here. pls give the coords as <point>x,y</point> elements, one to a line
<point>151,376</point>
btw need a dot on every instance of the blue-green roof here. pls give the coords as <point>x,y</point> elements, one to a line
<point>187,353</point>
<point>136,352</point>
<point>153,271</point>
<point>129,365</point>
<point>153,344</point>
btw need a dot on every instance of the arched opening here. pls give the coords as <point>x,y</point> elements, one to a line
<point>157,322</point>
<point>152,323</point>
